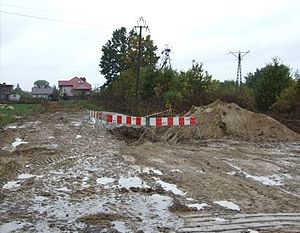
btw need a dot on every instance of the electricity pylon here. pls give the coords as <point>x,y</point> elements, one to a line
<point>166,61</point>
<point>239,77</point>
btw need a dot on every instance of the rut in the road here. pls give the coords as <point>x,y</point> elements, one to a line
<point>238,222</point>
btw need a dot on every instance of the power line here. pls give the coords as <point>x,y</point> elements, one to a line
<point>39,67</point>
<point>53,12</point>
<point>34,9</point>
<point>54,20</point>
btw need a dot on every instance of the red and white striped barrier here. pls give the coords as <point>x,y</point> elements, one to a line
<point>142,121</point>
<point>126,120</point>
<point>119,119</point>
<point>170,121</point>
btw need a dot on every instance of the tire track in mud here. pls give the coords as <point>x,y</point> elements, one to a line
<point>46,144</point>
<point>238,222</point>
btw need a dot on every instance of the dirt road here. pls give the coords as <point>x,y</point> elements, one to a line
<point>64,173</point>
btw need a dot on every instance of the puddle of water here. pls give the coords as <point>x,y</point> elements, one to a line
<point>105,180</point>
<point>228,205</point>
<point>198,206</point>
<point>252,231</point>
<point>10,127</point>
<point>231,173</point>
<point>25,125</point>
<point>75,123</point>
<point>221,220</point>
<point>17,143</point>
<point>78,136</point>
<point>25,176</point>
<point>142,169</point>
<point>127,182</point>
<point>11,185</point>
<point>152,209</point>
<point>40,198</point>
<point>169,187</point>
<point>11,226</point>
<point>120,226</point>
<point>63,189</point>
<point>176,170</point>
<point>273,180</point>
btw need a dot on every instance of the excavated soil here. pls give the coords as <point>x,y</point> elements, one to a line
<point>222,120</point>
<point>238,172</point>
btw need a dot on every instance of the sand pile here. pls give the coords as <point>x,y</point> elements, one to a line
<point>223,120</point>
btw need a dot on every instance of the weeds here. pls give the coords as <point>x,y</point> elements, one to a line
<point>9,112</point>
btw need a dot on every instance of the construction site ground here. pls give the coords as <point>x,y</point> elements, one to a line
<point>64,172</point>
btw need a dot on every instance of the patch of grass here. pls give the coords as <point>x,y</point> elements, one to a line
<point>71,105</point>
<point>9,112</point>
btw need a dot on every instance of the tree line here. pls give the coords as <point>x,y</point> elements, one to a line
<point>274,87</point>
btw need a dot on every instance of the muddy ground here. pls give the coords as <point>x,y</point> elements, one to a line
<point>66,173</point>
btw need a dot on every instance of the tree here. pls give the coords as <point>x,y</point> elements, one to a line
<point>120,55</point>
<point>268,82</point>
<point>41,84</point>
<point>111,62</point>
<point>148,52</point>
<point>55,94</point>
<point>23,94</point>
<point>227,87</point>
<point>289,99</point>
<point>196,83</point>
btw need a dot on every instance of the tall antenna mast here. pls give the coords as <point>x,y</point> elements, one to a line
<point>239,77</point>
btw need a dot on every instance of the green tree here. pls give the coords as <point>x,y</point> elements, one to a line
<point>148,52</point>
<point>111,62</point>
<point>55,94</point>
<point>167,87</point>
<point>227,87</point>
<point>268,82</point>
<point>148,82</point>
<point>289,98</point>
<point>196,83</point>
<point>120,54</point>
<point>41,84</point>
<point>23,94</point>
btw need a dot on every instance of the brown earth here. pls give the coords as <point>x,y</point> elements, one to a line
<point>222,120</point>
<point>245,158</point>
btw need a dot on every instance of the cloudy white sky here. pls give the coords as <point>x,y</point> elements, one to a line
<point>59,39</point>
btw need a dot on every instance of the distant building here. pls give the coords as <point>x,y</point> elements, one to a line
<point>42,92</point>
<point>75,88</point>
<point>5,91</point>
<point>14,97</point>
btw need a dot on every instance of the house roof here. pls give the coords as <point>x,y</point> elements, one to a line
<point>42,91</point>
<point>6,89</point>
<point>76,83</point>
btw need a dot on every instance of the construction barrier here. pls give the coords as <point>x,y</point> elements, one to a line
<point>170,121</point>
<point>142,121</point>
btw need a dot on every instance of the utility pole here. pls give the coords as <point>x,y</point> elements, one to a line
<point>240,56</point>
<point>141,23</point>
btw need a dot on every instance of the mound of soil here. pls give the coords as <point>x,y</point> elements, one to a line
<point>221,120</point>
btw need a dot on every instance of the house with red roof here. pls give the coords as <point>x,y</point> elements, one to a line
<point>75,88</point>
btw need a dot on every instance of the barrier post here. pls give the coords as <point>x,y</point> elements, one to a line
<point>54,108</point>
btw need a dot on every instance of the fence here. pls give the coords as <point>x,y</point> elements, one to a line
<point>113,118</point>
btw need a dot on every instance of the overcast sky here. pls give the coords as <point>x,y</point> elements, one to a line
<point>60,39</point>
